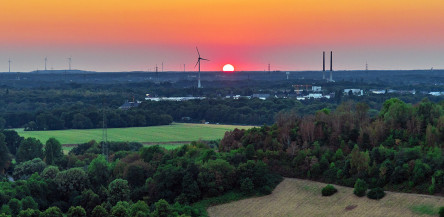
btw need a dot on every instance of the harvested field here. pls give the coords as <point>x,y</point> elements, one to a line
<point>295,197</point>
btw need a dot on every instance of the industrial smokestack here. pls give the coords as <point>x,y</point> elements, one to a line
<point>331,65</point>
<point>323,65</point>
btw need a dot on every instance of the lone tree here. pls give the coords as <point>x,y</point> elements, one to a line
<point>360,188</point>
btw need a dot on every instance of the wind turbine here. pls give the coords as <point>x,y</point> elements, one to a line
<point>198,62</point>
<point>9,63</point>
<point>69,63</point>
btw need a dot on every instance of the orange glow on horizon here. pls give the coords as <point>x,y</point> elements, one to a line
<point>259,31</point>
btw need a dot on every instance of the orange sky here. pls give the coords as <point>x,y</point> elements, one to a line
<point>136,34</point>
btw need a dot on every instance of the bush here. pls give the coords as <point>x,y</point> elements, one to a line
<point>360,188</point>
<point>441,211</point>
<point>376,193</point>
<point>329,190</point>
<point>247,186</point>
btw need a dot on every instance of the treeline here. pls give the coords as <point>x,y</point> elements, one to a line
<point>135,181</point>
<point>85,117</point>
<point>229,111</point>
<point>400,149</point>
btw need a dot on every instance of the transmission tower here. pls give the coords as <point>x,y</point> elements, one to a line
<point>105,148</point>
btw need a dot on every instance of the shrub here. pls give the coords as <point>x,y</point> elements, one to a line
<point>376,193</point>
<point>360,188</point>
<point>329,190</point>
<point>441,211</point>
<point>247,186</point>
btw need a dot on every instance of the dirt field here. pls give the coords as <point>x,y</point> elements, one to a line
<point>295,197</point>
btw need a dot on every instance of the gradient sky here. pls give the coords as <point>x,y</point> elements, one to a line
<point>118,35</point>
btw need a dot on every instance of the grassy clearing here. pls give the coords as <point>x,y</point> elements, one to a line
<point>160,134</point>
<point>294,197</point>
<point>425,209</point>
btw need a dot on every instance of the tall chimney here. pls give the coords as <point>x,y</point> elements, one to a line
<point>323,65</point>
<point>331,65</point>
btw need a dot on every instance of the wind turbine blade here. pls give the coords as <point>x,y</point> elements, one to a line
<point>204,59</point>
<point>197,63</point>
<point>198,52</point>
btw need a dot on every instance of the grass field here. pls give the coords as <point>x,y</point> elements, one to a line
<point>177,132</point>
<point>294,197</point>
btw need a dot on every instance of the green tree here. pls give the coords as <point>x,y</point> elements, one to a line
<point>53,151</point>
<point>74,179</point>
<point>99,211</point>
<point>15,205</point>
<point>250,152</point>
<point>50,172</point>
<point>441,211</point>
<point>360,188</point>
<point>29,149</point>
<point>120,209</point>
<point>29,203</point>
<point>247,186</point>
<point>13,140</point>
<point>27,168</point>
<point>4,155</point>
<point>99,171</point>
<point>30,213</point>
<point>162,209</point>
<point>52,212</point>
<point>77,211</point>
<point>118,191</point>
<point>139,207</point>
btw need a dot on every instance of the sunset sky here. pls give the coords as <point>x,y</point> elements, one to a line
<point>118,35</point>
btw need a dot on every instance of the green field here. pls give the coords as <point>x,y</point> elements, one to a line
<point>176,132</point>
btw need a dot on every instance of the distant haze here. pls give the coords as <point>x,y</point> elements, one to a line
<point>116,35</point>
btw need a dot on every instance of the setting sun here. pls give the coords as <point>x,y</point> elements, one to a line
<point>228,68</point>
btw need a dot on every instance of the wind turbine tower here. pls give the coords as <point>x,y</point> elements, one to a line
<point>157,73</point>
<point>69,63</point>
<point>198,63</point>
<point>46,60</point>
<point>9,63</point>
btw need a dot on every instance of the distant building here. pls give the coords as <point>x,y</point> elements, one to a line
<point>356,92</point>
<point>316,88</point>
<point>377,91</point>
<point>175,99</point>
<point>314,95</point>
<point>436,93</point>
<point>262,96</point>
<point>128,105</point>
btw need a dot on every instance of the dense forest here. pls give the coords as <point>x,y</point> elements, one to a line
<point>134,181</point>
<point>399,149</point>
